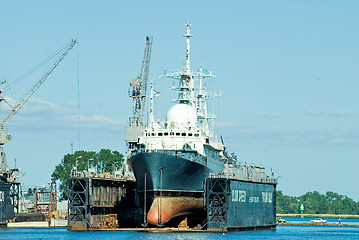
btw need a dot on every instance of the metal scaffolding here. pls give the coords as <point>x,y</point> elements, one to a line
<point>101,203</point>
<point>15,195</point>
<point>78,207</point>
<point>216,198</point>
<point>46,199</point>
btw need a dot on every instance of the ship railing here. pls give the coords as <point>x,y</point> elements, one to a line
<point>106,175</point>
<point>248,177</point>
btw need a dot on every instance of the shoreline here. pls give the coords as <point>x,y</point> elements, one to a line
<point>296,215</point>
<point>318,224</point>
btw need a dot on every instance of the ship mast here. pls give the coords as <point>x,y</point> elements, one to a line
<point>150,122</point>
<point>201,104</point>
<point>188,52</point>
<point>186,86</point>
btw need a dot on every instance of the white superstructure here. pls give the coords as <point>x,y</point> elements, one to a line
<point>186,131</point>
<point>187,121</point>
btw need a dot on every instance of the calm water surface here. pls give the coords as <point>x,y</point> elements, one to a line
<point>282,232</point>
<point>329,220</point>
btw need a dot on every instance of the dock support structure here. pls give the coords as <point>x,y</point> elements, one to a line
<point>102,203</point>
<point>78,207</point>
<point>216,202</point>
<point>15,195</point>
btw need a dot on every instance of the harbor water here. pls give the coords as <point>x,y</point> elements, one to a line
<point>282,232</point>
<point>329,220</point>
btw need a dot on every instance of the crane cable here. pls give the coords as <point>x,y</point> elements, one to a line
<point>78,96</point>
<point>35,68</point>
<point>28,95</point>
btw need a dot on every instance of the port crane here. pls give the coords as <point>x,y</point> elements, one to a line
<point>11,175</point>
<point>139,87</point>
<point>137,91</point>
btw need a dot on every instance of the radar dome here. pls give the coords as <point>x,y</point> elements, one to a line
<point>182,114</point>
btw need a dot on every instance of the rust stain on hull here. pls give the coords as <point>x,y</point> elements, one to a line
<point>165,208</point>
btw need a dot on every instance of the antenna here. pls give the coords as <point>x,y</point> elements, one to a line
<point>188,51</point>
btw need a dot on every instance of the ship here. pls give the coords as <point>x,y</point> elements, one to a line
<point>172,159</point>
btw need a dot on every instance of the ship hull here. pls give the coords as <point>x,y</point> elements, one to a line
<point>172,186</point>
<point>170,210</point>
<point>167,173</point>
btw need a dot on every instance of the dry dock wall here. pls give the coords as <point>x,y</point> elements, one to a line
<point>101,203</point>
<point>235,204</point>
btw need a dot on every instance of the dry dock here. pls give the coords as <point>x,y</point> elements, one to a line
<point>108,203</point>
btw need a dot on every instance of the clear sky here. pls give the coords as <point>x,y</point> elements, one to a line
<point>288,72</point>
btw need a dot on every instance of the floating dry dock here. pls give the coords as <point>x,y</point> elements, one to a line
<point>107,203</point>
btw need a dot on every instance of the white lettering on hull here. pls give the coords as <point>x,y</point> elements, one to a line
<point>267,197</point>
<point>239,196</point>
<point>2,196</point>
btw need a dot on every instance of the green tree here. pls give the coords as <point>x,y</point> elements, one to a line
<point>349,206</point>
<point>315,203</point>
<point>286,204</point>
<point>105,161</point>
<point>336,202</point>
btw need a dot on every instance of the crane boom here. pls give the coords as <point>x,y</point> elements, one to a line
<point>137,91</point>
<point>24,100</point>
<point>146,66</point>
<point>139,87</point>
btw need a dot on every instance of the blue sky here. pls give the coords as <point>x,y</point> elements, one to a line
<point>288,72</point>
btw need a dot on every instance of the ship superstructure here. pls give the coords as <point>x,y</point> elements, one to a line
<point>171,159</point>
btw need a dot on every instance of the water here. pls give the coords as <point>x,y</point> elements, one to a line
<point>329,220</point>
<point>282,232</point>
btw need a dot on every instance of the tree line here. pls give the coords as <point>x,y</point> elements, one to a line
<point>316,203</point>
<point>107,161</point>
<point>104,161</point>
